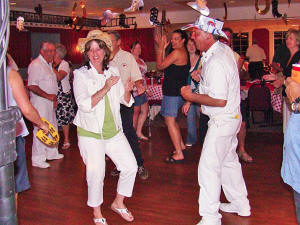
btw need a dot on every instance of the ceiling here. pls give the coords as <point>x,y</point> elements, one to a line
<point>95,8</point>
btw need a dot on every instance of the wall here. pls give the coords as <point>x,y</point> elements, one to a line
<point>271,25</point>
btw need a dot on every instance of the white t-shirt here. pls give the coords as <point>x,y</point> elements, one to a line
<point>220,80</point>
<point>255,53</point>
<point>127,66</point>
<point>65,82</point>
<point>40,73</point>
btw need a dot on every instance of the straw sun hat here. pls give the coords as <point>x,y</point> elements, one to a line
<point>95,34</point>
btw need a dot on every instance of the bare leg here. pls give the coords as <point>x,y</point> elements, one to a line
<point>118,203</point>
<point>65,129</point>
<point>141,120</point>
<point>97,213</point>
<point>174,132</point>
<point>241,145</point>
<point>136,113</point>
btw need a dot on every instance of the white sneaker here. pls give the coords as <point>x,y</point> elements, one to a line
<point>209,222</point>
<point>58,156</point>
<point>43,165</point>
<point>231,208</point>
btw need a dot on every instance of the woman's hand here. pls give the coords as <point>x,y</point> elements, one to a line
<point>186,107</point>
<point>45,127</point>
<point>161,41</point>
<point>196,74</point>
<point>292,89</point>
<point>111,81</point>
<point>148,92</point>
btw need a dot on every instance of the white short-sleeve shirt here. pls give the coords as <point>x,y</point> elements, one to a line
<point>220,80</point>
<point>127,66</point>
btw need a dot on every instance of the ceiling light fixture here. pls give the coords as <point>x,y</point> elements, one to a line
<point>13,3</point>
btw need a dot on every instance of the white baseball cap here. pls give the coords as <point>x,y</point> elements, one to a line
<point>207,24</point>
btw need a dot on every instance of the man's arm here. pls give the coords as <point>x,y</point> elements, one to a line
<point>136,76</point>
<point>201,99</point>
<point>36,90</point>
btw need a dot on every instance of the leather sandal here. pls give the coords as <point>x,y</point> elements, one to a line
<point>100,220</point>
<point>124,213</point>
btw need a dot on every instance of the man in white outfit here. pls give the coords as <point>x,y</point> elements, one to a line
<point>220,99</point>
<point>42,84</point>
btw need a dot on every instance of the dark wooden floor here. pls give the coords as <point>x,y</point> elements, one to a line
<point>58,195</point>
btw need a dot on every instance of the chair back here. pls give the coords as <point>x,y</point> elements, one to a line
<point>259,98</point>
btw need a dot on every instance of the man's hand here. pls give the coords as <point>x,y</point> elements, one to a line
<point>52,97</point>
<point>55,104</point>
<point>292,89</point>
<point>186,92</point>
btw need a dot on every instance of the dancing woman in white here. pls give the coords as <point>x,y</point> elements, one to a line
<point>98,92</point>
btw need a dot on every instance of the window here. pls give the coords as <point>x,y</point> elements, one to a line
<point>240,42</point>
<point>279,38</point>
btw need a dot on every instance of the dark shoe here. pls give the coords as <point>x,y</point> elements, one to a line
<point>170,159</point>
<point>115,172</point>
<point>143,173</point>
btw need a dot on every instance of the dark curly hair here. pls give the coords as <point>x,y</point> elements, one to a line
<point>103,46</point>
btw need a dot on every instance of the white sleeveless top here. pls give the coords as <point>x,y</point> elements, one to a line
<point>21,129</point>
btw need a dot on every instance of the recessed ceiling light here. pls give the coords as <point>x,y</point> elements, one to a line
<point>12,3</point>
<point>231,1</point>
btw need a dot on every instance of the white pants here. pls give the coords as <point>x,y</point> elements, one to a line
<point>93,154</point>
<point>219,167</point>
<point>286,112</point>
<point>40,151</point>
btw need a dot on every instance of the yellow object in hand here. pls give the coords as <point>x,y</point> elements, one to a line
<point>296,73</point>
<point>44,137</point>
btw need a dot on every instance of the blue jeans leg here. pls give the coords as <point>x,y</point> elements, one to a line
<point>191,125</point>
<point>21,175</point>
<point>297,204</point>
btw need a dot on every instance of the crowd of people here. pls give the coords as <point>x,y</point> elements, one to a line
<point>107,101</point>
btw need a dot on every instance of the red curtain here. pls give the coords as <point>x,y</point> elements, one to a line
<point>20,47</point>
<point>20,43</point>
<point>145,37</point>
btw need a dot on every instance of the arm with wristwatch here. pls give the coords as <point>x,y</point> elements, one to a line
<point>293,94</point>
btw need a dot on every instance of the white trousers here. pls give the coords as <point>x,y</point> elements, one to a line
<point>40,151</point>
<point>286,112</point>
<point>93,154</point>
<point>219,167</point>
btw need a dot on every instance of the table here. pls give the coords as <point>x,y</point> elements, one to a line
<point>154,100</point>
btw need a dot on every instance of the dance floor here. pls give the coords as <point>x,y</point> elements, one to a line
<point>58,194</point>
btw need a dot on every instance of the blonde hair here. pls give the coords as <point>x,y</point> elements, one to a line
<point>296,34</point>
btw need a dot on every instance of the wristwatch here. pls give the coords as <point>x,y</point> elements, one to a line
<point>294,106</point>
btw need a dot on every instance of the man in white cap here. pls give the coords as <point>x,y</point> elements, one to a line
<point>220,99</point>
